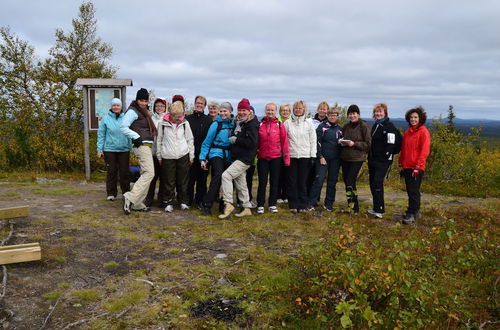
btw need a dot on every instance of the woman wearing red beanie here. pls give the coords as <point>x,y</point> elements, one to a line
<point>414,151</point>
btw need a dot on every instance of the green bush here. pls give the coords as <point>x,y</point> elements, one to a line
<point>425,280</point>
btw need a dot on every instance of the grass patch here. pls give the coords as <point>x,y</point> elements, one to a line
<point>63,191</point>
<point>10,195</point>
<point>54,295</point>
<point>86,295</point>
<point>111,264</point>
<point>126,300</point>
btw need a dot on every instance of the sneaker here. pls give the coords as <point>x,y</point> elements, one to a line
<point>127,205</point>
<point>110,198</point>
<point>294,211</point>
<point>279,201</point>
<point>328,208</point>
<point>310,208</point>
<point>285,201</point>
<point>253,204</point>
<point>169,208</point>
<point>260,210</point>
<point>375,214</point>
<point>272,209</point>
<point>245,212</point>
<point>408,219</point>
<point>184,207</point>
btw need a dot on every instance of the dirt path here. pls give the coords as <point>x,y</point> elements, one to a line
<point>92,254</point>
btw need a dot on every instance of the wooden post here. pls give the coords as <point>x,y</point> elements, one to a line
<point>20,253</point>
<point>15,212</point>
<point>86,132</point>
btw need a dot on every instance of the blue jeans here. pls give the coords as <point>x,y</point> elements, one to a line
<point>332,167</point>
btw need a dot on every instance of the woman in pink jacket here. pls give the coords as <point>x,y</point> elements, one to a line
<point>273,150</point>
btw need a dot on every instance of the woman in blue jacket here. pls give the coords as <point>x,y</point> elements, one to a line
<point>215,150</point>
<point>328,132</point>
<point>115,148</point>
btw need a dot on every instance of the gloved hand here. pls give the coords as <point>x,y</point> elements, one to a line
<point>232,139</point>
<point>415,173</point>
<point>137,142</point>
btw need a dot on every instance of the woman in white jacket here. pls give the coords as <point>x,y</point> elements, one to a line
<point>160,106</point>
<point>175,152</point>
<point>302,141</point>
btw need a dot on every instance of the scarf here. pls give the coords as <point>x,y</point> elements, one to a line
<point>145,113</point>
<point>237,128</point>
<point>381,121</point>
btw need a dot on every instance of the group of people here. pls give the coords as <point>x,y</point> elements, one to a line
<point>291,151</point>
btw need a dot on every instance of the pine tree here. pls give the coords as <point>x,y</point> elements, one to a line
<point>451,117</point>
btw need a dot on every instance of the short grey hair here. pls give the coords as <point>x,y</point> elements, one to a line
<point>227,106</point>
<point>214,104</point>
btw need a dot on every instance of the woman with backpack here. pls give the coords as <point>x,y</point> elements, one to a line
<point>215,150</point>
<point>386,142</point>
<point>175,152</point>
<point>272,151</point>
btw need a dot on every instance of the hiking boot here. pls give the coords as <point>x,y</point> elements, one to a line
<point>260,210</point>
<point>184,207</point>
<point>375,214</point>
<point>228,209</point>
<point>110,198</point>
<point>169,208</point>
<point>206,209</point>
<point>245,212</point>
<point>273,209</point>
<point>127,205</point>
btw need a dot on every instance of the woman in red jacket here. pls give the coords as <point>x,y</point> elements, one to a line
<point>273,151</point>
<point>414,151</point>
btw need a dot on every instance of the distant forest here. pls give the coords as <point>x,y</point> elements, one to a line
<point>491,128</point>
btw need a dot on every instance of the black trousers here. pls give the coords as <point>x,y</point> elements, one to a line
<point>312,176</point>
<point>249,177</point>
<point>297,182</point>
<point>413,190</point>
<point>218,166</point>
<point>152,187</point>
<point>198,177</point>
<point>117,164</point>
<point>282,185</point>
<point>269,168</point>
<point>175,174</point>
<point>350,171</point>
<point>377,173</point>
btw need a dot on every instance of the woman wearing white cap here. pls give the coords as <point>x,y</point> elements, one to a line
<point>115,148</point>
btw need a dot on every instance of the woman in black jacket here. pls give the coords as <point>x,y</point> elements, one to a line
<point>386,142</point>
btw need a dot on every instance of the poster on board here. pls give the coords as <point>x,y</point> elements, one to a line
<point>100,103</point>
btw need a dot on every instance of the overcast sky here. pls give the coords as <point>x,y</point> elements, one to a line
<point>405,53</point>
